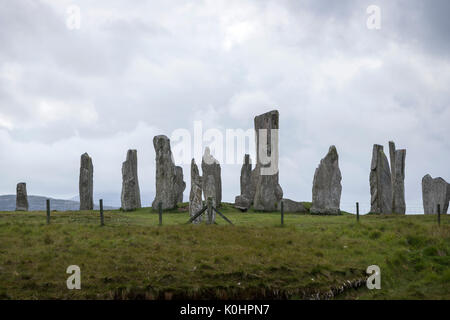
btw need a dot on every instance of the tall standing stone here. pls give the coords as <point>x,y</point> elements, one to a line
<point>380,182</point>
<point>326,191</point>
<point>21,197</point>
<point>169,189</point>
<point>245,199</point>
<point>210,166</point>
<point>131,195</point>
<point>397,158</point>
<point>434,192</point>
<point>268,192</point>
<point>86,183</point>
<point>195,196</point>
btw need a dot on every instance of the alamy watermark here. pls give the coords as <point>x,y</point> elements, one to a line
<point>374,280</point>
<point>74,281</point>
<point>374,20</point>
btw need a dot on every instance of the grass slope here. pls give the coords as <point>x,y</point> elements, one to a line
<point>132,257</point>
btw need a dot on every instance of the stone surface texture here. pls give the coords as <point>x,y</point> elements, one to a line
<point>211,167</point>
<point>195,195</point>
<point>327,188</point>
<point>293,206</point>
<point>21,197</point>
<point>86,183</point>
<point>131,195</point>
<point>380,182</point>
<point>435,191</point>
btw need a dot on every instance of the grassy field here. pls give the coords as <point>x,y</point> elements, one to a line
<point>309,257</point>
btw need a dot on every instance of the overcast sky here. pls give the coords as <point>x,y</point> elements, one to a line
<point>137,69</point>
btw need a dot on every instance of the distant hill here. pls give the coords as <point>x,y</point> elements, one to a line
<point>38,203</point>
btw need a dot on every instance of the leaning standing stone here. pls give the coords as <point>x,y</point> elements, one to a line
<point>195,196</point>
<point>86,183</point>
<point>268,192</point>
<point>326,191</point>
<point>211,166</point>
<point>380,182</point>
<point>245,199</point>
<point>21,197</point>
<point>169,189</point>
<point>131,195</point>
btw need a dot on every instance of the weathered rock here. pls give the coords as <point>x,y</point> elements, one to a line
<point>327,189</point>
<point>268,192</point>
<point>209,191</point>
<point>293,206</point>
<point>180,185</point>
<point>210,166</point>
<point>169,179</point>
<point>380,182</point>
<point>434,192</point>
<point>195,196</point>
<point>86,183</point>
<point>131,195</point>
<point>398,183</point>
<point>244,200</point>
<point>21,197</point>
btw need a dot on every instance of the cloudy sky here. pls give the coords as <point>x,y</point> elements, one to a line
<point>135,70</point>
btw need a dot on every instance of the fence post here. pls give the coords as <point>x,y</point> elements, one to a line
<point>102,221</point>
<point>439,214</point>
<point>357,211</point>
<point>282,212</point>
<point>48,211</point>
<point>160,212</point>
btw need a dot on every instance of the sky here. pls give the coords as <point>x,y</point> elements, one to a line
<point>131,70</point>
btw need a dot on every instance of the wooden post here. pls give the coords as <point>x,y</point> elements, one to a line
<point>160,213</point>
<point>357,211</point>
<point>282,212</point>
<point>102,221</point>
<point>48,211</point>
<point>439,214</point>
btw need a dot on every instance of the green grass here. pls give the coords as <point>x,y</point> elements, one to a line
<point>133,257</point>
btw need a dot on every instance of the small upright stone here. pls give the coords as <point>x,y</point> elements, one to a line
<point>86,183</point>
<point>131,195</point>
<point>434,192</point>
<point>326,191</point>
<point>268,192</point>
<point>21,197</point>
<point>169,179</point>
<point>245,199</point>
<point>195,196</point>
<point>210,166</point>
<point>380,182</point>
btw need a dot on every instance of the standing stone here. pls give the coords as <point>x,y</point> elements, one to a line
<point>131,195</point>
<point>268,192</point>
<point>86,183</point>
<point>434,192</point>
<point>326,191</point>
<point>210,166</point>
<point>169,189</point>
<point>195,196</point>
<point>210,191</point>
<point>397,158</point>
<point>380,182</point>
<point>21,197</point>
<point>245,199</point>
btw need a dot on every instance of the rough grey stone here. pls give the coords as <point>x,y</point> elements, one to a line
<point>293,206</point>
<point>327,189</point>
<point>434,192</point>
<point>210,166</point>
<point>398,183</point>
<point>131,195</point>
<point>380,182</point>
<point>168,177</point>
<point>209,191</point>
<point>86,183</point>
<point>21,197</point>
<point>195,196</point>
<point>268,192</point>
<point>244,200</point>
